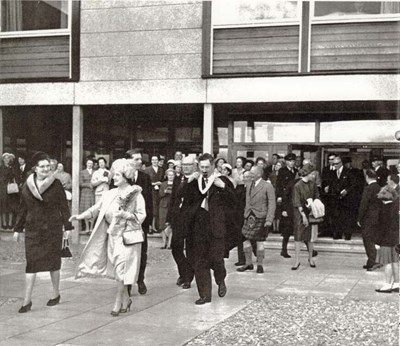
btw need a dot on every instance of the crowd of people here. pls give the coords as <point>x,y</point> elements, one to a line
<point>204,208</point>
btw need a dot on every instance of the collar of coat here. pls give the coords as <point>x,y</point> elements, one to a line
<point>37,192</point>
<point>210,181</point>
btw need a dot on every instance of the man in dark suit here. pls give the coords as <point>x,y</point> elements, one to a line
<point>381,172</point>
<point>327,176</point>
<point>143,180</point>
<point>368,217</point>
<point>209,229</point>
<point>22,171</point>
<point>270,168</point>
<point>342,189</point>
<point>179,217</point>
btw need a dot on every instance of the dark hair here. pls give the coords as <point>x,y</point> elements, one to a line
<point>89,159</point>
<point>277,155</point>
<point>370,173</point>
<point>155,155</point>
<point>242,158</point>
<point>260,159</point>
<point>39,156</point>
<point>206,156</point>
<point>102,158</point>
<point>250,161</point>
<point>130,152</point>
<point>219,159</point>
<point>332,154</point>
<point>394,178</point>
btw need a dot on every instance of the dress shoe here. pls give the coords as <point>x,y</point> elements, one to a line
<point>312,265</point>
<point>116,313</point>
<point>163,247</point>
<point>54,301</point>
<point>222,289</point>
<point>396,289</point>
<point>240,263</point>
<point>186,285</point>
<point>285,255</point>
<point>296,267</point>
<point>374,267</point>
<point>315,253</point>
<point>142,289</point>
<point>260,269</point>
<point>380,290</point>
<point>246,267</point>
<point>25,308</point>
<point>365,266</point>
<point>180,281</point>
<point>202,301</point>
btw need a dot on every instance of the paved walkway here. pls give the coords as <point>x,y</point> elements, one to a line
<point>166,315</point>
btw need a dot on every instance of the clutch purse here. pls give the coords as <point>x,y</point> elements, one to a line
<point>12,188</point>
<point>132,237</point>
<point>66,252</point>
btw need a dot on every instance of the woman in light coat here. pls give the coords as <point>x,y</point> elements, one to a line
<point>100,179</point>
<point>105,255</point>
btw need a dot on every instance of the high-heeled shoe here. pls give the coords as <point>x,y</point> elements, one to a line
<point>116,313</point>
<point>296,267</point>
<point>311,265</point>
<point>54,301</point>
<point>128,307</point>
<point>25,308</point>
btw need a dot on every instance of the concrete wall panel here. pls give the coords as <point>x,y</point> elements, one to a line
<point>141,67</point>
<point>141,92</point>
<point>141,43</point>
<point>142,18</point>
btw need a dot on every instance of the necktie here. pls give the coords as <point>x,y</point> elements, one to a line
<point>252,187</point>
<point>338,173</point>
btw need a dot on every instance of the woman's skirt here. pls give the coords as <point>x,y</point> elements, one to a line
<point>86,200</point>
<point>124,261</point>
<point>387,254</point>
<point>301,232</point>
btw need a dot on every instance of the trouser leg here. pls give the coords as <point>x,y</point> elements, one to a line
<point>370,250</point>
<point>143,259</point>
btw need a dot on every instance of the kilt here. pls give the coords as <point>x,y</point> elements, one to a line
<point>253,228</point>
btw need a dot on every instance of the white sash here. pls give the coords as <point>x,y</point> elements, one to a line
<point>210,181</point>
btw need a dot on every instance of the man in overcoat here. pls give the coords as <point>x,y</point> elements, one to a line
<point>209,229</point>
<point>368,217</point>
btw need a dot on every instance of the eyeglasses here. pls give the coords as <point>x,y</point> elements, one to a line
<point>337,163</point>
<point>187,164</point>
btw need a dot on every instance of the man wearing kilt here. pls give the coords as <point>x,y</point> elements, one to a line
<point>259,214</point>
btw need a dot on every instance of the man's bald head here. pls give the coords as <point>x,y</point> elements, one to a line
<point>257,172</point>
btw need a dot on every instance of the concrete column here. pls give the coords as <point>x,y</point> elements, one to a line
<point>77,150</point>
<point>208,128</point>
<point>1,132</point>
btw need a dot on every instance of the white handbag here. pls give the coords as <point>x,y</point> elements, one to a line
<point>12,188</point>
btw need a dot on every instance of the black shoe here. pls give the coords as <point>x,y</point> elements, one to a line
<point>285,255</point>
<point>202,301</point>
<point>365,266</point>
<point>246,267</point>
<point>240,263</point>
<point>180,281</point>
<point>315,253</point>
<point>128,307</point>
<point>25,308</point>
<point>379,290</point>
<point>395,290</point>
<point>297,267</point>
<point>311,265</point>
<point>374,267</point>
<point>186,285</point>
<point>142,289</point>
<point>222,289</point>
<point>260,269</point>
<point>54,301</point>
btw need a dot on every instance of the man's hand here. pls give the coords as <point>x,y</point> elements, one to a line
<point>219,183</point>
<point>267,224</point>
<point>67,234</point>
<point>279,199</point>
<point>285,214</point>
<point>343,193</point>
<point>75,218</point>
<point>326,189</point>
<point>305,221</point>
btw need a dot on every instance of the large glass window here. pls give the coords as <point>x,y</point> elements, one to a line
<point>273,132</point>
<point>24,15</point>
<point>244,12</point>
<point>359,131</point>
<point>344,10</point>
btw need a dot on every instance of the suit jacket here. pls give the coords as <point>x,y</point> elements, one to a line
<point>261,201</point>
<point>154,177</point>
<point>382,174</point>
<point>327,177</point>
<point>344,182</point>
<point>143,180</point>
<point>285,176</point>
<point>21,175</point>
<point>369,210</point>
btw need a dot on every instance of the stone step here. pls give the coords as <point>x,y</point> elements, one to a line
<point>355,245</point>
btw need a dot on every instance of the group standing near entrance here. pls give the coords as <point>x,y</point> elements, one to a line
<point>205,208</point>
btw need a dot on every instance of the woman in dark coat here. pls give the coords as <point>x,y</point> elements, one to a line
<point>8,202</point>
<point>388,234</point>
<point>43,213</point>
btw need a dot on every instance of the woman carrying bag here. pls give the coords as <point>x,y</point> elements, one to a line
<point>114,247</point>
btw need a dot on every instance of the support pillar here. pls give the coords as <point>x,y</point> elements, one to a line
<point>208,129</point>
<point>77,152</point>
<point>1,132</point>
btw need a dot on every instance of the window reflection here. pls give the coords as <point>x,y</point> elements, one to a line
<point>354,8</point>
<point>261,132</point>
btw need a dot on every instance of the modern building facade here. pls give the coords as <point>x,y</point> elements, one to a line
<point>242,77</point>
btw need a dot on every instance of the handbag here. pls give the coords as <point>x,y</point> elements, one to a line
<point>315,220</point>
<point>132,237</point>
<point>12,188</point>
<point>66,252</point>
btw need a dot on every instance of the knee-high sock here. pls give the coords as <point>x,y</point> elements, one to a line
<point>248,254</point>
<point>260,257</point>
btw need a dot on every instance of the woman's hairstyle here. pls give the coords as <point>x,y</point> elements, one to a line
<point>387,193</point>
<point>371,174</point>
<point>218,159</point>
<point>102,158</point>
<point>394,178</point>
<point>243,160</point>
<point>124,167</point>
<point>168,171</point>
<point>228,167</point>
<point>39,156</point>
<point>306,170</point>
